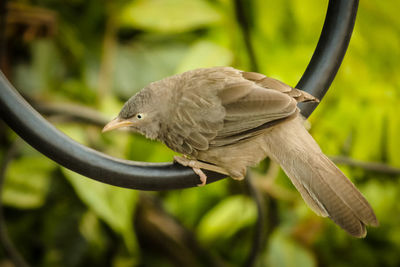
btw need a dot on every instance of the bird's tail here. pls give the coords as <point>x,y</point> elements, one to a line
<point>322,185</point>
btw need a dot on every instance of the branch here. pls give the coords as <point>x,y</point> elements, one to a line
<point>368,166</point>
<point>73,112</point>
<point>260,236</point>
<point>243,17</point>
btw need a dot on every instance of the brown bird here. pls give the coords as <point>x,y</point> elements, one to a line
<point>224,120</point>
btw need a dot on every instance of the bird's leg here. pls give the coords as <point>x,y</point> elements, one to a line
<point>198,165</point>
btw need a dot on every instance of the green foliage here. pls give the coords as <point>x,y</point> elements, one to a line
<point>284,252</point>
<point>103,53</point>
<point>114,205</point>
<point>27,181</point>
<point>226,219</point>
<point>204,199</point>
<point>169,15</point>
<point>204,54</point>
<point>140,63</point>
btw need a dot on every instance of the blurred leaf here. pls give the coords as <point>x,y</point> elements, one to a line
<point>124,261</point>
<point>169,15</point>
<point>205,54</point>
<point>367,143</point>
<point>181,202</point>
<point>284,252</point>
<point>76,89</point>
<point>227,218</point>
<point>142,149</point>
<point>91,229</point>
<point>110,106</point>
<point>141,63</point>
<point>74,131</point>
<point>27,181</point>
<point>162,153</point>
<point>42,73</point>
<point>308,14</point>
<point>264,11</point>
<point>114,205</point>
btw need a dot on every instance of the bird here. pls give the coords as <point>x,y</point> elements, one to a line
<point>225,120</point>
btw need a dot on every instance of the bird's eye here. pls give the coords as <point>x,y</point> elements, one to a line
<point>139,116</point>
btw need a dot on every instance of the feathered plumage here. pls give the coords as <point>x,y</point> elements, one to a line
<point>225,120</point>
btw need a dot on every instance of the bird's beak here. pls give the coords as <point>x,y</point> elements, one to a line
<point>115,124</point>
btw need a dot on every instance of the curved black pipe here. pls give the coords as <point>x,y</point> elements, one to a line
<point>40,134</point>
<point>331,48</point>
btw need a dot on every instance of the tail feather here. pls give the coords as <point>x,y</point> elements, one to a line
<point>322,185</point>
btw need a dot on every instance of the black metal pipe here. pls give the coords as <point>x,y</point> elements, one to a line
<point>331,48</point>
<point>43,136</point>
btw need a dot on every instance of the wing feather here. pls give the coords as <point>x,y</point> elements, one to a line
<point>271,83</point>
<point>220,106</point>
<point>260,106</point>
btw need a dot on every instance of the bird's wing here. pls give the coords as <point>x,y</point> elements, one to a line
<point>271,83</point>
<point>246,115</point>
<point>255,103</point>
<point>222,105</point>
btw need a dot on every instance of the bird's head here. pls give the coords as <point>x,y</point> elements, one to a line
<point>139,114</point>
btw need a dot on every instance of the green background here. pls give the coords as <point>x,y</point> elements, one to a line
<point>99,53</point>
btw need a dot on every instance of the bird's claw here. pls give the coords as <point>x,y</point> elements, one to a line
<point>202,175</point>
<point>184,161</point>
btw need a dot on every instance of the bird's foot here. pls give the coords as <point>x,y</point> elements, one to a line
<point>198,165</point>
<point>184,161</point>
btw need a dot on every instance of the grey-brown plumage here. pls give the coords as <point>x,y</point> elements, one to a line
<point>224,120</point>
